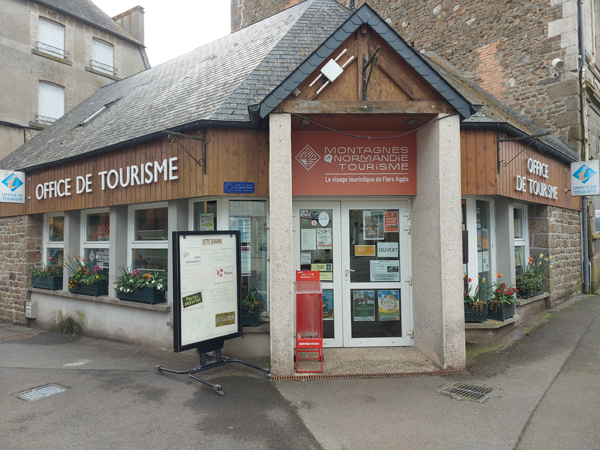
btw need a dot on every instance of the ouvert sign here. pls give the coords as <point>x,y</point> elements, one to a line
<point>145,173</point>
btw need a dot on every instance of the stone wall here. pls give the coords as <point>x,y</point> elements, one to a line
<point>506,47</point>
<point>20,249</point>
<point>557,232</point>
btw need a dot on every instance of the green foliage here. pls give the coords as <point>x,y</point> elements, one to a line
<point>46,271</point>
<point>532,278</point>
<point>480,294</point>
<point>131,281</point>
<point>251,299</point>
<point>82,272</point>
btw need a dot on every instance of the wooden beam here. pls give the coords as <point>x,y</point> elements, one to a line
<point>347,107</point>
<point>391,71</point>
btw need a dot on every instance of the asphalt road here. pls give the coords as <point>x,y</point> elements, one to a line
<point>546,392</point>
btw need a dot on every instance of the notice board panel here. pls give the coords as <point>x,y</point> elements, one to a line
<point>207,279</point>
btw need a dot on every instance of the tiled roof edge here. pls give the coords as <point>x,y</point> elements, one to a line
<point>365,15</point>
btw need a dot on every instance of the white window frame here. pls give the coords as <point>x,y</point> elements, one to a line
<point>223,224</point>
<point>47,244</point>
<point>45,114</point>
<point>91,244</point>
<point>472,266</point>
<point>523,241</point>
<point>97,63</point>
<point>53,47</point>
<point>133,244</point>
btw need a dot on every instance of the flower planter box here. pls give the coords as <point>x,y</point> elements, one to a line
<point>96,289</point>
<point>143,295</point>
<point>524,293</point>
<point>506,311</point>
<point>248,320</point>
<point>472,316</point>
<point>51,283</point>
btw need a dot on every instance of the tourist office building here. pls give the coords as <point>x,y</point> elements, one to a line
<point>331,145</point>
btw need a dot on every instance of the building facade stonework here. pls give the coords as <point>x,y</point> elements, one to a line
<point>20,249</point>
<point>557,232</point>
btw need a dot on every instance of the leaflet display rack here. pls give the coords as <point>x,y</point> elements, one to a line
<point>309,319</point>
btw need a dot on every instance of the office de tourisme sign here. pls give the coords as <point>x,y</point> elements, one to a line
<point>145,173</point>
<point>330,163</point>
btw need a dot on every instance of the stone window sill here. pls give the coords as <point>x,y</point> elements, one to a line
<point>66,61</point>
<point>160,307</point>
<point>97,72</point>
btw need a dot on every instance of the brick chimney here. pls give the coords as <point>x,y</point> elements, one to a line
<point>132,21</point>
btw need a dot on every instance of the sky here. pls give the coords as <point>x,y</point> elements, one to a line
<point>175,27</point>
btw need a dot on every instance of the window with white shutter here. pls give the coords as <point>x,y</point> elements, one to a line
<point>51,38</point>
<point>51,102</point>
<point>102,57</point>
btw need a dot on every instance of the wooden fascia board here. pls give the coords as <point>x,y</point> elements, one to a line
<point>376,107</point>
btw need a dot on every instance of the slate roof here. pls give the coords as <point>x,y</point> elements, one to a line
<point>215,85</point>
<point>495,112</point>
<point>205,83</point>
<point>89,12</point>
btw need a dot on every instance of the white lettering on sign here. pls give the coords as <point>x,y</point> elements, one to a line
<point>537,168</point>
<point>145,173</point>
<point>534,187</point>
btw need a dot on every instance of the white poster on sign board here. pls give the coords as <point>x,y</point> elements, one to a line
<point>12,186</point>
<point>208,294</point>
<point>585,179</point>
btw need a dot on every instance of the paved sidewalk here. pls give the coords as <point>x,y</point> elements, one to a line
<point>117,401</point>
<point>546,395</point>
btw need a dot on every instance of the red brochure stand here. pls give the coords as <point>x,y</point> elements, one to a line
<point>309,319</point>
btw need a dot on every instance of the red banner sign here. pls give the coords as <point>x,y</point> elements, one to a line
<point>329,163</point>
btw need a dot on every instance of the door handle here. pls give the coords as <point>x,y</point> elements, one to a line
<point>347,271</point>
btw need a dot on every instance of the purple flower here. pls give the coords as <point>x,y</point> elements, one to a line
<point>96,268</point>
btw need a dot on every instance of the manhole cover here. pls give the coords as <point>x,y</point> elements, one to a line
<point>468,392</point>
<point>40,392</point>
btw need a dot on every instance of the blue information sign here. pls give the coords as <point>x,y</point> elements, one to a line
<point>235,187</point>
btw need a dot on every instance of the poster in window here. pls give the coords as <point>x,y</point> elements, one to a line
<point>484,238</point>
<point>243,225</point>
<point>327,304</point>
<point>391,221</point>
<point>324,241</point>
<point>479,243</point>
<point>363,303</point>
<point>480,262</point>
<point>389,305</point>
<point>485,262</point>
<point>478,217</point>
<point>246,260</point>
<point>207,222</point>
<point>308,239</point>
<point>385,270</point>
<point>373,225</point>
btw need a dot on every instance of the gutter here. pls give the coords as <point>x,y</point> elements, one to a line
<point>584,156</point>
<point>198,124</point>
<point>507,128</point>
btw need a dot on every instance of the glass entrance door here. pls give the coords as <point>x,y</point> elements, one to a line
<point>362,250</point>
<point>377,274</point>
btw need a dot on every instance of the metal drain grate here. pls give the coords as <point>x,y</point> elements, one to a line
<point>40,392</point>
<point>468,392</point>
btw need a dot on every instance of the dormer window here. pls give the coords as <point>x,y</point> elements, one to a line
<point>103,57</point>
<point>51,38</point>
